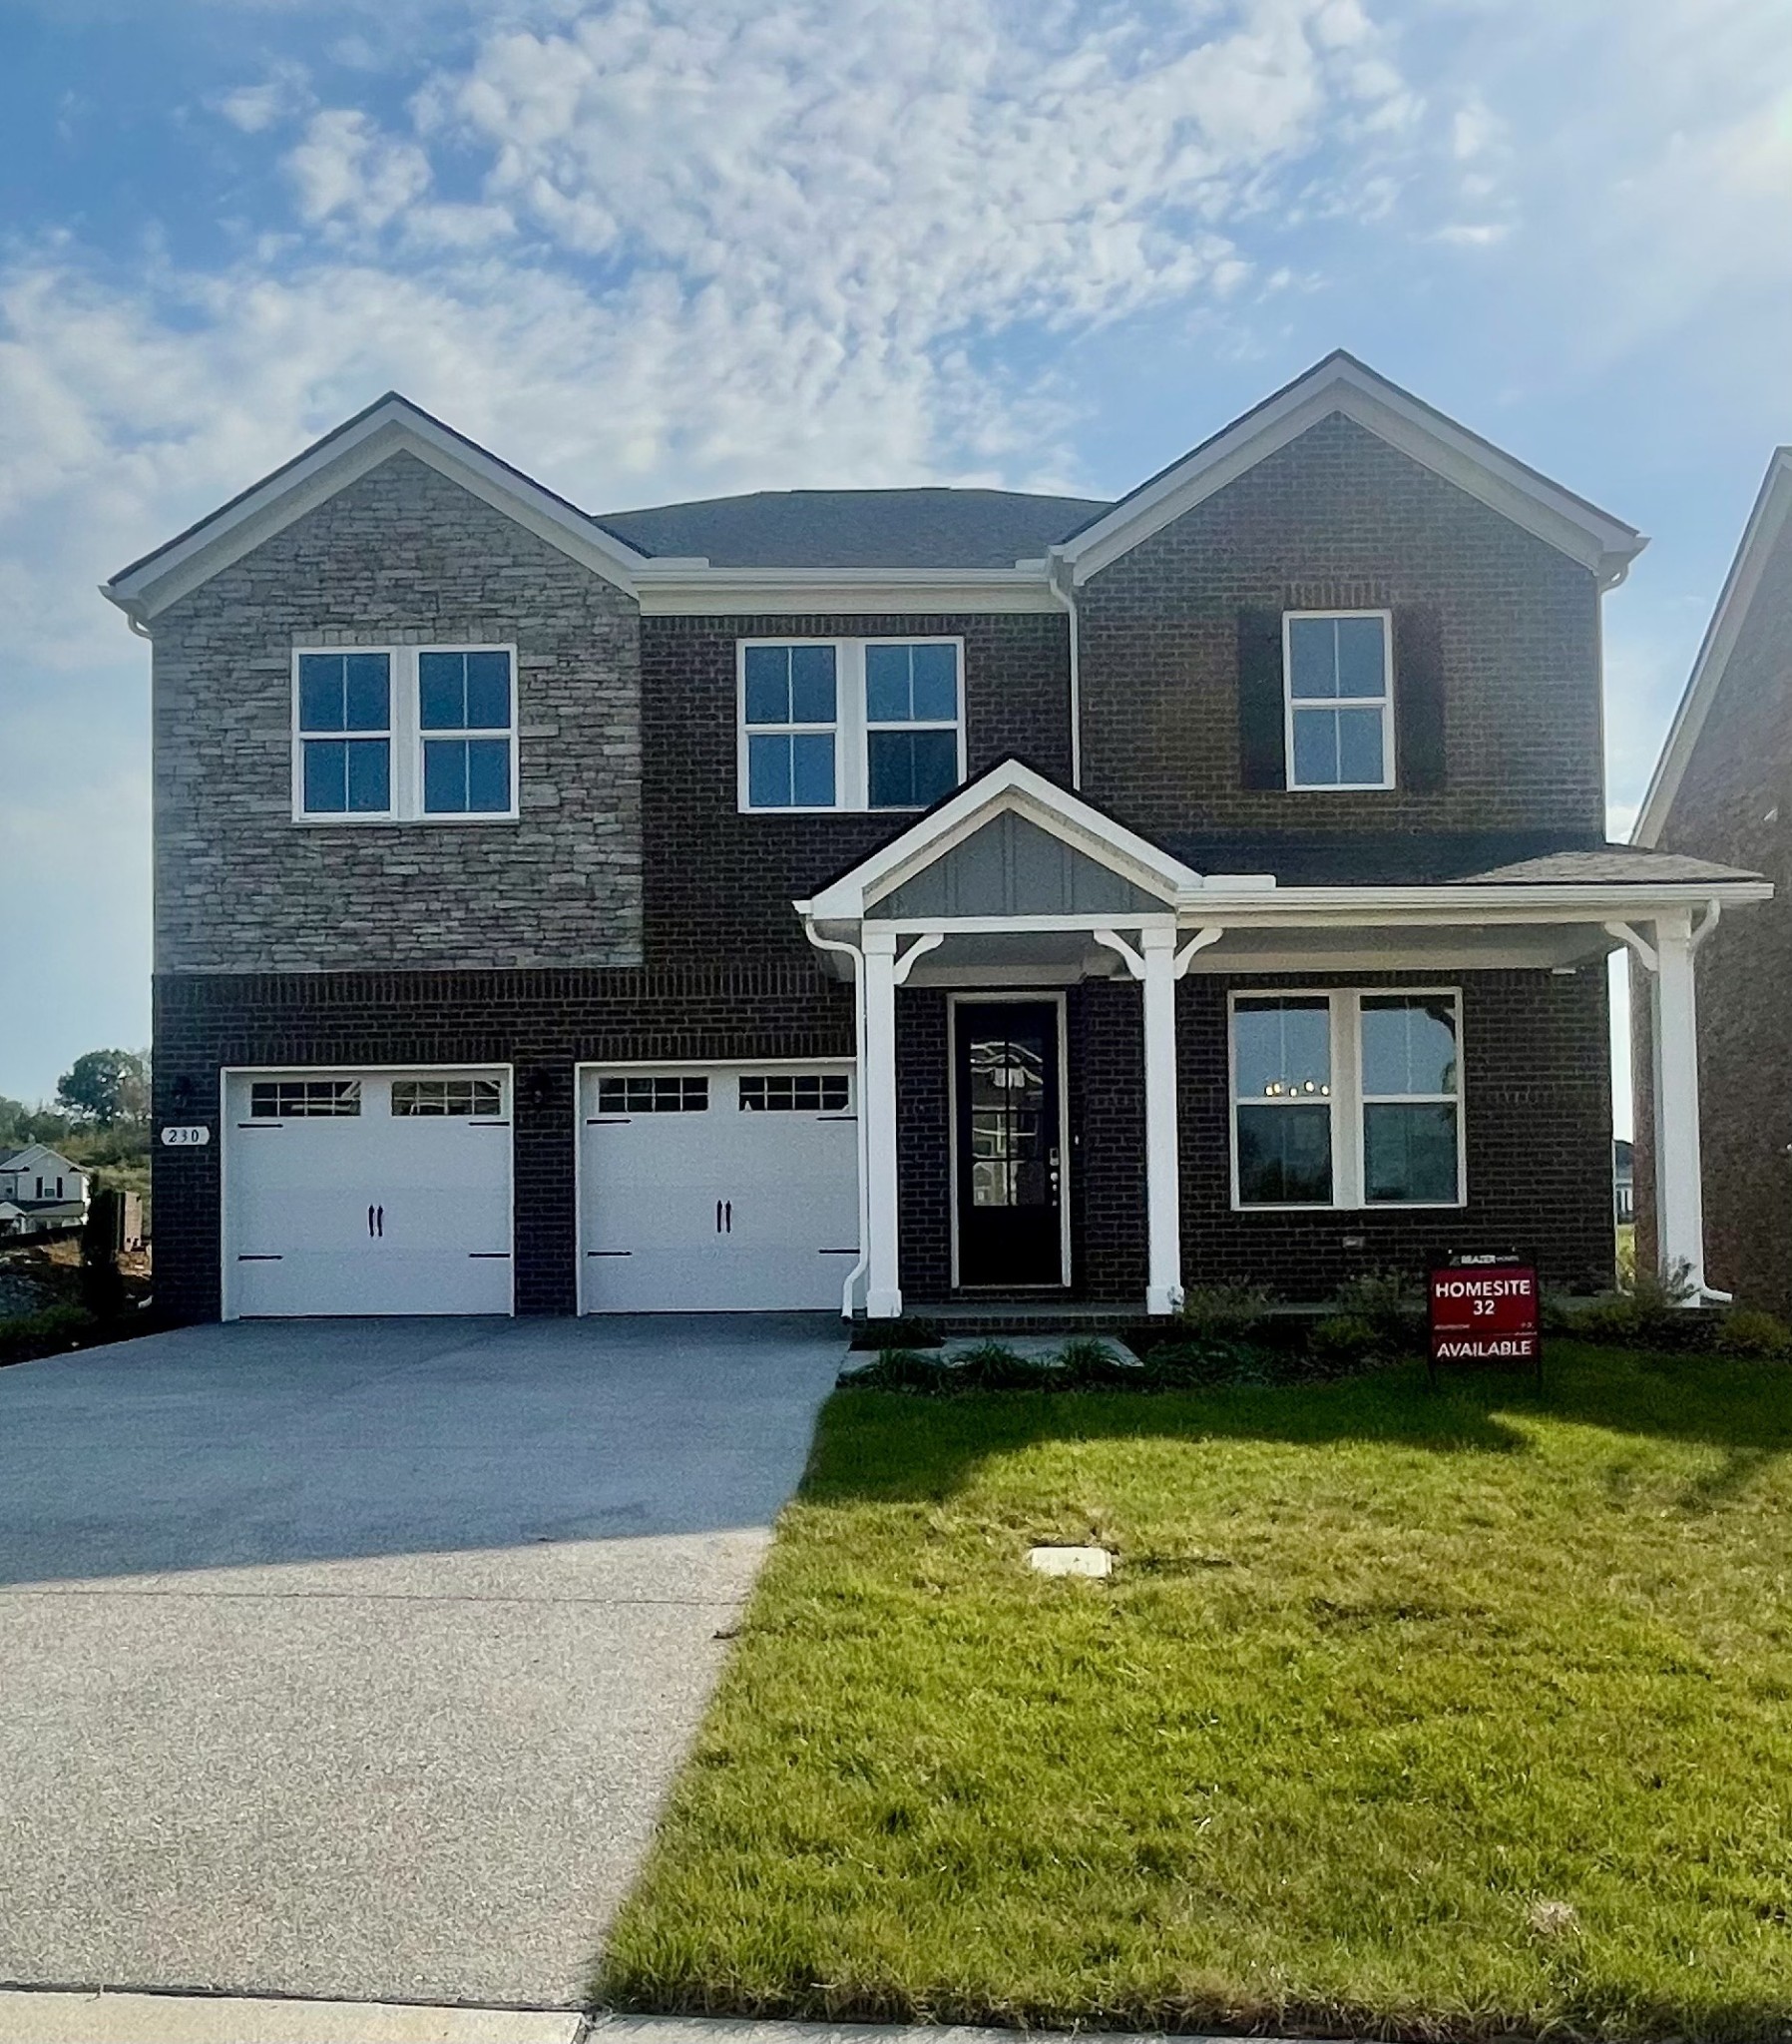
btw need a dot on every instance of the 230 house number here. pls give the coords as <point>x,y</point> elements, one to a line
<point>192,1137</point>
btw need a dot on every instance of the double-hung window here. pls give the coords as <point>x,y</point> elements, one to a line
<point>464,716</point>
<point>405,734</point>
<point>1338,672</point>
<point>345,734</point>
<point>790,701</point>
<point>850,724</point>
<point>1347,1100</point>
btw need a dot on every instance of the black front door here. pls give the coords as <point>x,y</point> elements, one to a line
<point>1010,1227</point>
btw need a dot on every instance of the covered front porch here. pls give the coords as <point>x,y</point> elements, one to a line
<point>1091,1071</point>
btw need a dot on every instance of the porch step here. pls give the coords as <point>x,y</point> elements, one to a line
<point>1025,1317</point>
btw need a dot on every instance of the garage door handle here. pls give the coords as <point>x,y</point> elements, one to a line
<point>369,1224</point>
<point>379,1215</point>
<point>731,1214</point>
<point>719,1217</point>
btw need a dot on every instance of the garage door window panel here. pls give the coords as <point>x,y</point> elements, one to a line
<point>795,1093</point>
<point>654,1096</point>
<point>482,1098</point>
<point>304,1099</point>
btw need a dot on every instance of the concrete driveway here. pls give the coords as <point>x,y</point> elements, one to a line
<point>354,1658</point>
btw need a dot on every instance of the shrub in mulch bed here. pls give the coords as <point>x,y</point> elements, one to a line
<point>1336,1348</point>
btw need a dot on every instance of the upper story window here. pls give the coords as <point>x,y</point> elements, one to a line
<point>850,724</point>
<point>464,716</point>
<point>405,734</point>
<point>1339,685</point>
<point>1347,1100</point>
<point>345,734</point>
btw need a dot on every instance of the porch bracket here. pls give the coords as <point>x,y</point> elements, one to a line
<point>1636,941</point>
<point>1114,941</point>
<point>1210,934</point>
<point>930,942</point>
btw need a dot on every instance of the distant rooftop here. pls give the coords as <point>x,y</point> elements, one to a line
<point>928,528</point>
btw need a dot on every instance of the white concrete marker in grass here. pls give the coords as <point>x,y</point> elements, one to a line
<point>1071,1561</point>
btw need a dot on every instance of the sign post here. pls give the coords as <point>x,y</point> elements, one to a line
<point>1485,1309</point>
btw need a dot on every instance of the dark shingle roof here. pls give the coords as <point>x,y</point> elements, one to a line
<point>933,528</point>
<point>1376,859</point>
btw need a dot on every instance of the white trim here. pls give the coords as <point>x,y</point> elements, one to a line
<point>1347,1098</point>
<point>704,1066</point>
<point>1008,787</point>
<point>852,728</point>
<point>1491,903</point>
<point>405,736</point>
<point>1340,383</point>
<point>1766,523</point>
<point>392,426</point>
<point>474,1068</point>
<point>1384,704</point>
<point>1023,998</point>
<point>684,590</point>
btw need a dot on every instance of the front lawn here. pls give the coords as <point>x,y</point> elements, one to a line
<point>1432,1713</point>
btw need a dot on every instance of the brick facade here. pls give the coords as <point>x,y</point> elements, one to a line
<point>1734,806</point>
<point>717,878</point>
<point>541,1022</point>
<point>634,913</point>
<point>1338,518</point>
<point>402,556</point>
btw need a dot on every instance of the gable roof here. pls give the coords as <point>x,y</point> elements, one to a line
<point>922,528</point>
<point>1010,786</point>
<point>939,548</point>
<point>389,425</point>
<point>27,1160</point>
<point>1341,383</point>
<point>1767,522</point>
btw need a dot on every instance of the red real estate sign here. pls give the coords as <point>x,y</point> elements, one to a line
<point>1484,1309</point>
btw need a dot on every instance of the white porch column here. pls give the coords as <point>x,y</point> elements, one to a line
<point>877,1103</point>
<point>1164,1199</point>
<point>1679,1183</point>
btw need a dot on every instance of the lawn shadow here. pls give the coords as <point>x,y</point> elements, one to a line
<point>896,1446</point>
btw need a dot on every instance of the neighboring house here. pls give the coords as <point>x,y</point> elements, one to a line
<point>40,1190</point>
<point>895,897</point>
<point>1723,790</point>
<point>1624,1182</point>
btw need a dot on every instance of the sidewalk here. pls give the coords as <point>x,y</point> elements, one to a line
<point>54,2017</point>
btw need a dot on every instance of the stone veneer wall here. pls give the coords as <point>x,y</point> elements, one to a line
<point>403,556</point>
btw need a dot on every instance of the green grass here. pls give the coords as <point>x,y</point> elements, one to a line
<point>1436,1714</point>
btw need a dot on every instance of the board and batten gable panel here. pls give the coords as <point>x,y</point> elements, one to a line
<point>1011,867</point>
<point>403,556</point>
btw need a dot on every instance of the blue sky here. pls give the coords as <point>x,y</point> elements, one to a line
<point>663,247</point>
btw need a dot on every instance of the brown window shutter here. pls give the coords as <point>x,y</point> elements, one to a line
<point>1263,751</point>
<point>1418,697</point>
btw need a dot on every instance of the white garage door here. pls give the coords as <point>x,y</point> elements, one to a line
<point>719,1188</point>
<point>367,1193</point>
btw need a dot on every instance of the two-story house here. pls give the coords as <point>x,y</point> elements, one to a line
<point>888,898</point>
<point>40,1190</point>
<point>1722,790</point>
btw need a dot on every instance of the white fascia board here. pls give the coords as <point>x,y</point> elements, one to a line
<point>392,427</point>
<point>1010,786</point>
<point>1545,902</point>
<point>1597,541</point>
<point>1766,523</point>
<point>682,589</point>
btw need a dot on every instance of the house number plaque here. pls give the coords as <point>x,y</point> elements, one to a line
<point>185,1135</point>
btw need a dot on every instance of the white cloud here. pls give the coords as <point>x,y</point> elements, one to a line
<point>282,94</point>
<point>346,169</point>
